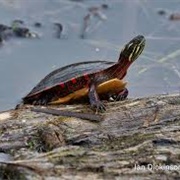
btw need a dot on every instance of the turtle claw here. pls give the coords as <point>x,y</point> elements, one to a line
<point>121,96</point>
<point>99,106</point>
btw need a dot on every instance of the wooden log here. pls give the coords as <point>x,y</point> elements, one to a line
<point>137,138</point>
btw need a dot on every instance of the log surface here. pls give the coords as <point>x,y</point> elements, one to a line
<point>136,138</point>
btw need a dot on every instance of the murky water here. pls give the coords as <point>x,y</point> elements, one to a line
<point>24,62</point>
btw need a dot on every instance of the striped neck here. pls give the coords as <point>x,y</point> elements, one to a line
<point>119,69</point>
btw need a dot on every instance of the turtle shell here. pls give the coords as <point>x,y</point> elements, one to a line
<point>65,80</point>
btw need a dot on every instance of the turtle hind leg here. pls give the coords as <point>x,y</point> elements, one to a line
<point>120,96</point>
<point>37,100</point>
<point>94,99</point>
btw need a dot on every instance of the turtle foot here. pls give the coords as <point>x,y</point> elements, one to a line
<point>122,95</point>
<point>98,106</point>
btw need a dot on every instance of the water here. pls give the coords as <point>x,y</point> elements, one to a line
<point>24,62</point>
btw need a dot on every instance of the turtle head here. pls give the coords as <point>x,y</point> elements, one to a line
<point>132,49</point>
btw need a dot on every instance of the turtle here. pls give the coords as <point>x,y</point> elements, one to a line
<point>94,80</point>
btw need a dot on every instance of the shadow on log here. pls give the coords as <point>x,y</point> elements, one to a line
<point>137,138</point>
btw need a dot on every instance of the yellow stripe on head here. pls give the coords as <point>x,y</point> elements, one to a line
<point>133,49</point>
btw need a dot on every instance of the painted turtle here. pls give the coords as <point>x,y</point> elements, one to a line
<point>94,79</point>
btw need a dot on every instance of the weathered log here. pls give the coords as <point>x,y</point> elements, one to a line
<point>137,138</point>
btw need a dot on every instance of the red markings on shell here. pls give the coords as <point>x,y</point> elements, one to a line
<point>73,80</point>
<point>62,85</point>
<point>86,77</point>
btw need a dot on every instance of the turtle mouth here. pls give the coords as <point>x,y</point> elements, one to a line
<point>140,41</point>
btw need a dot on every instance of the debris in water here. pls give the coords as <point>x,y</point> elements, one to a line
<point>174,17</point>
<point>93,11</point>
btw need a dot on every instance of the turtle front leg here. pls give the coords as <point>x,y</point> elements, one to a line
<point>94,99</point>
